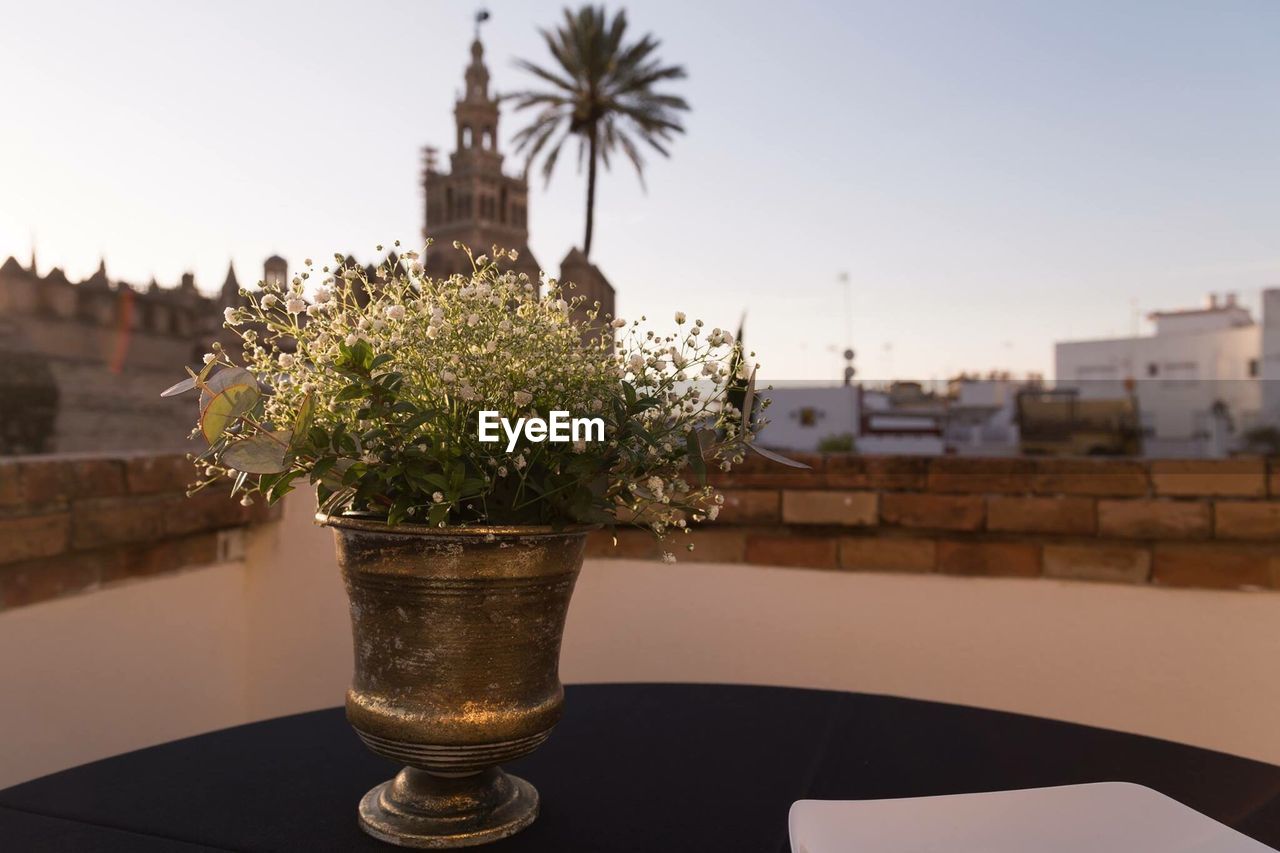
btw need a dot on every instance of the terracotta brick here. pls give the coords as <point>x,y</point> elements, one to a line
<point>750,506</point>
<point>1026,514</point>
<point>710,546</point>
<point>99,523</point>
<point>59,479</point>
<point>1246,519</point>
<point>210,509</point>
<point>938,512</point>
<point>34,581</point>
<point>1011,559</point>
<point>1098,562</point>
<point>814,506</point>
<point>1274,467</point>
<point>10,483</point>
<point>1210,477</point>
<point>33,536</point>
<point>159,473</point>
<point>814,552</point>
<point>1214,565</point>
<point>756,471</point>
<point>1153,519</point>
<point>890,473</point>
<point>983,476</point>
<point>887,554</point>
<point>1098,477</point>
<point>165,555</point>
<point>625,543</point>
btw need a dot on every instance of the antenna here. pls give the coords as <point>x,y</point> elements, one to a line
<point>482,15</point>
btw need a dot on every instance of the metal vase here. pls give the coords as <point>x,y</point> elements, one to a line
<point>457,654</point>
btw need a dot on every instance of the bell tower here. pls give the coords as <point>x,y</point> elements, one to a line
<point>475,202</point>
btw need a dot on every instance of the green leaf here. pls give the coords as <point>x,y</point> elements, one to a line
<point>302,423</point>
<point>351,392</point>
<point>179,388</point>
<point>262,454</point>
<point>696,461</point>
<point>224,408</point>
<point>776,457</point>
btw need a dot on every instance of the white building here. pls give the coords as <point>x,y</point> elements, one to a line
<point>1206,375</point>
<point>801,416</point>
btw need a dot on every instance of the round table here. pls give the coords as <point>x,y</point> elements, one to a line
<point>650,768</point>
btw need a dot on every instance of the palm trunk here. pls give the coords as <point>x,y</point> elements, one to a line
<point>591,190</point>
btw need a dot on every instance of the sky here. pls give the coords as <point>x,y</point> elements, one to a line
<point>992,176</point>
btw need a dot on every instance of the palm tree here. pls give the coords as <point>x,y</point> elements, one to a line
<point>602,93</point>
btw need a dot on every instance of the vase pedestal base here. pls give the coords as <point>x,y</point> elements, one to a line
<point>424,810</point>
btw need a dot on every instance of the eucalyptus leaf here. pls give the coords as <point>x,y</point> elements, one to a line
<point>179,387</point>
<point>264,453</point>
<point>223,409</point>
<point>302,423</point>
<point>779,458</point>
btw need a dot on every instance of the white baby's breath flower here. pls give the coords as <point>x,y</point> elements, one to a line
<point>295,305</point>
<point>668,557</point>
<point>680,318</point>
<point>285,360</point>
<point>323,295</point>
<point>352,339</point>
<point>209,357</point>
<point>448,376</point>
<point>473,320</point>
<point>523,398</point>
<point>315,310</point>
<point>395,312</point>
<point>438,497</point>
<point>269,300</point>
<point>618,323</point>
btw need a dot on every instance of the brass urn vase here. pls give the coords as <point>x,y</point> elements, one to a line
<point>457,652</point>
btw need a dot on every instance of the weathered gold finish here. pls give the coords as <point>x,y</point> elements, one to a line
<point>457,654</point>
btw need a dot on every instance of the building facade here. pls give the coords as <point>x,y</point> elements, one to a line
<point>1204,378</point>
<point>82,364</point>
<point>477,203</point>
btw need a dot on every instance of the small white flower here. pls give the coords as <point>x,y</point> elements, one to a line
<point>395,312</point>
<point>246,501</point>
<point>636,363</point>
<point>713,512</point>
<point>231,316</point>
<point>352,339</point>
<point>523,398</point>
<point>618,323</point>
<point>323,295</point>
<point>285,360</point>
<point>579,446</point>
<point>473,320</point>
<point>505,326</point>
<point>438,497</point>
<point>655,485</point>
<point>519,463</point>
<point>209,357</point>
<point>668,557</point>
<point>448,376</point>
<point>269,300</point>
<point>315,310</point>
<point>680,318</point>
<point>295,305</point>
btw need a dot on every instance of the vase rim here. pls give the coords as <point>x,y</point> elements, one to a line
<point>375,525</point>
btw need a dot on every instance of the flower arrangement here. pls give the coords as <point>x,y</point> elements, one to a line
<point>371,387</point>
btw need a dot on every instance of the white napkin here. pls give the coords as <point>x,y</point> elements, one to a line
<point>1106,817</point>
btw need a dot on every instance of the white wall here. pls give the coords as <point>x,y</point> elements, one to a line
<point>156,659</point>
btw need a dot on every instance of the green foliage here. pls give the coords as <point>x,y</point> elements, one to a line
<point>601,90</point>
<point>838,443</point>
<point>370,387</point>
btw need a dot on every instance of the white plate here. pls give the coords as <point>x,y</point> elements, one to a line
<point>1106,817</point>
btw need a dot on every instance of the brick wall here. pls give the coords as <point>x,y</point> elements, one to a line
<point>1179,523</point>
<point>70,523</point>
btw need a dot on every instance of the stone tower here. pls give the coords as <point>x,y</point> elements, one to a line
<point>475,202</point>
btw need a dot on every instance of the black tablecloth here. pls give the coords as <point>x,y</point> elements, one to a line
<point>651,768</point>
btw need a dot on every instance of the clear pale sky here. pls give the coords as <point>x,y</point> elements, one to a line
<point>994,176</point>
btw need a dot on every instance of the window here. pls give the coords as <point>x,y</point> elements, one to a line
<point>1153,369</point>
<point>1253,368</point>
<point>466,136</point>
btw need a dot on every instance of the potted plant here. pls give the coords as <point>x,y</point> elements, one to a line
<point>385,390</point>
